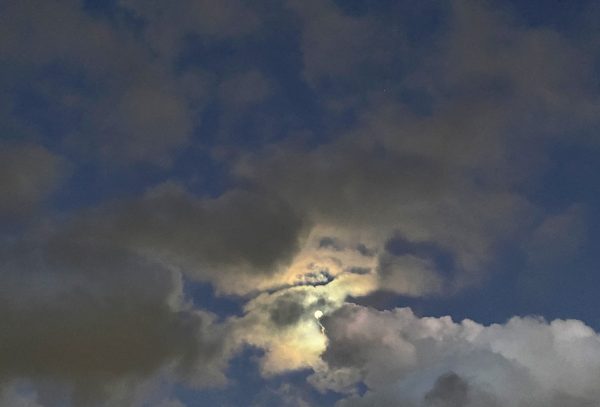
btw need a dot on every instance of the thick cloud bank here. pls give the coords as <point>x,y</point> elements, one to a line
<point>407,361</point>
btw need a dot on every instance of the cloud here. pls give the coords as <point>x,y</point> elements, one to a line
<point>36,34</point>
<point>416,173</point>
<point>453,176</point>
<point>285,395</point>
<point>409,275</point>
<point>478,29</point>
<point>170,403</point>
<point>233,241</point>
<point>450,390</point>
<point>333,43</point>
<point>13,397</point>
<point>29,174</point>
<point>373,183</point>
<point>249,103</point>
<point>149,121</point>
<point>556,244</point>
<point>109,98</point>
<point>98,298</point>
<point>76,312</point>
<point>345,56</point>
<point>414,361</point>
<point>558,236</point>
<point>168,25</point>
<point>283,322</point>
<point>244,88</point>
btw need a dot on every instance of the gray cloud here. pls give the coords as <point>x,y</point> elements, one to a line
<point>118,96</point>
<point>558,237</point>
<point>345,56</point>
<point>125,106</point>
<point>334,43</point>
<point>286,395</point>
<point>28,174</point>
<point>450,390</point>
<point>286,311</point>
<point>148,122</point>
<point>453,176</point>
<point>168,25</point>
<point>366,181</point>
<point>244,88</point>
<point>171,403</point>
<point>556,244</point>
<point>217,240</point>
<point>98,299</point>
<point>409,275</point>
<point>11,397</point>
<point>88,314</point>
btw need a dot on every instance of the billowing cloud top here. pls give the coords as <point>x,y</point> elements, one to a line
<point>259,203</point>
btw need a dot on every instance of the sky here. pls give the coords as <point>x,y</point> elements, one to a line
<point>299,203</point>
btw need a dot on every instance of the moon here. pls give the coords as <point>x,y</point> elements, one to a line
<point>318,314</point>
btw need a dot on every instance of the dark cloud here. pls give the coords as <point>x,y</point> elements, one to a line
<point>143,122</point>
<point>98,298</point>
<point>558,237</point>
<point>118,94</point>
<point>452,177</point>
<point>364,250</point>
<point>167,26</point>
<point>244,88</point>
<point>365,181</point>
<point>101,89</point>
<point>36,34</point>
<point>555,245</point>
<point>409,275</point>
<point>345,55</point>
<point>223,240</point>
<point>450,390</point>
<point>286,311</point>
<point>28,175</point>
<point>330,243</point>
<point>88,314</point>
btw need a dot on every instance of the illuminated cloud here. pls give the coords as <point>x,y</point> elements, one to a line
<point>437,362</point>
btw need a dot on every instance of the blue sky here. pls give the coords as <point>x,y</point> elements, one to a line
<point>185,184</point>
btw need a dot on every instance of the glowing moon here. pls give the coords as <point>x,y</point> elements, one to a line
<point>318,314</point>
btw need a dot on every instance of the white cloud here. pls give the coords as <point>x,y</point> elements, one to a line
<point>407,360</point>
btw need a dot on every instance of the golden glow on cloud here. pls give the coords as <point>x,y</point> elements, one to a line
<point>300,344</point>
<point>315,264</point>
